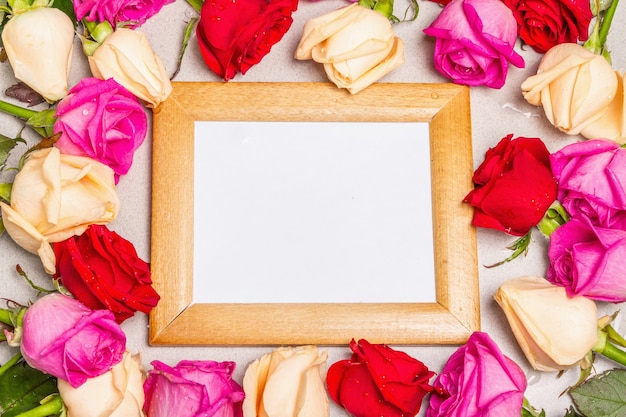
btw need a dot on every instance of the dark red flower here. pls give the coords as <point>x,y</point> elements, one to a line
<point>543,24</point>
<point>103,271</point>
<point>514,186</point>
<point>234,35</point>
<point>378,381</point>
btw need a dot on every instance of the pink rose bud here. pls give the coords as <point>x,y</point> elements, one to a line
<point>474,42</point>
<point>101,120</point>
<point>478,380</point>
<point>65,339</point>
<point>192,388</point>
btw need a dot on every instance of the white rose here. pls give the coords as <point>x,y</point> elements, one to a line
<point>288,382</point>
<point>357,46</point>
<point>573,85</point>
<point>117,393</point>
<point>39,44</point>
<point>55,197</point>
<point>127,56</point>
<point>555,331</point>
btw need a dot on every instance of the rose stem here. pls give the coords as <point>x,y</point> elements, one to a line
<point>16,111</point>
<point>614,353</point>
<point>606,22</point>
<point>49,408</point>
<point>10,363</point>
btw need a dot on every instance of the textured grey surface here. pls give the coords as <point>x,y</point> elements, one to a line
<point>495,113</point>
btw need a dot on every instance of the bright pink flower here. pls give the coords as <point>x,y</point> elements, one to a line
<point>478,381</point>
<point>136,12</point>
<point>591,178</point>
<point>102,120</point>
<point>65,339</point>
<point>588,260</point>
<point>193,388</point>
<point>474,42</point>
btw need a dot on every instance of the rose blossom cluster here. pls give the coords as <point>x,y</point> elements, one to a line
<point>517,186</point>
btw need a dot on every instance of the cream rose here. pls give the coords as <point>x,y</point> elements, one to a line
<point>56,196</point>
<point>574,86</point>
<point>357,46</point>
<point>554,331</point>
<point>117,393</point>
<point>127,56</point>
<point>612,124</point>
<point>39,44</point>
<point>287,382</point>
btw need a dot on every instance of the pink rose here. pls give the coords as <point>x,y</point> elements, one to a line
<point>478,380</point>
<point>101,120</point>
<point>193,388</point>
<point>588,260</point>
<point>591,180</point>
<point>117,11</point>
<point>65,339</point>
<point>474,42</point>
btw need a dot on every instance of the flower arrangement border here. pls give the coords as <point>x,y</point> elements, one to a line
<point>178,321</point>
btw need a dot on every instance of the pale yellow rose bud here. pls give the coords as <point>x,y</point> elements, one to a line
<point>573,85</point>
<point>357,46</point>
<point>39,44</point>
<point>288,382</point>
<point>554,331</point>
<point>55,197</point>
<point>612,124</point>
<point>117,393</point>
<point>127,56</point>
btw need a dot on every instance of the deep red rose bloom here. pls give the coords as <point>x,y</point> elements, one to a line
<point>378,381</point>
<point>103,271</point>
<point>234,35</point>
<point>514,186</point>
<point>543,24</point>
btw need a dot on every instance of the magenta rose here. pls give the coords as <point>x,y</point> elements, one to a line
<point>478,380</point>
<point>63,338</point>
<point>591,179</point>
<point>134,12</point>
<point>588,260</point>
<point>193,388</point>
<point>102,120</point>
<point>474,42</point>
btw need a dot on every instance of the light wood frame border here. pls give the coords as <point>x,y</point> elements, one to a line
<point>178,321</point>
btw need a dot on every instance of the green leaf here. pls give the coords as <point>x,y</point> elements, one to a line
<point>67,7</point>
<point>6,145</point>
<point>604,395</point>
<point>529,411</point>
<point>571,412</point>
<point>22,387</point>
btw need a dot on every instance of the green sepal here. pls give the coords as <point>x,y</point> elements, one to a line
<point>43,122</point>
<point>571,412</point>
<point>555,216</point>
<point>5,191</point>
<point>529,411</point>
<point>196,4</point>
<point>22,388</point>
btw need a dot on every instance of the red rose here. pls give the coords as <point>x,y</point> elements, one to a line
<point>233,35</point>
<point>543,24</point>
<point>102,270</point>
<point>514,186</point>
<point>378,381</point>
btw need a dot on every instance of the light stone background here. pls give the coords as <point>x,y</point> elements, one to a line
<point>495,113</point>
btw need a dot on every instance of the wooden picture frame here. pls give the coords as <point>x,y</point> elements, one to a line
<point>176,320</point>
